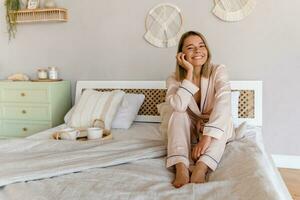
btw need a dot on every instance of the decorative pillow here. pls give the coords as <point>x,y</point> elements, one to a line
<point>128,110</point>
<point>94,105</point>
<point>68,115</point>
<point>165,110</point>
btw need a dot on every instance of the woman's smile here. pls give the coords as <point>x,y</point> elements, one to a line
<point>198,57</point>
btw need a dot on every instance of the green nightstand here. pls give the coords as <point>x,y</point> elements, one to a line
<point>29,107</point>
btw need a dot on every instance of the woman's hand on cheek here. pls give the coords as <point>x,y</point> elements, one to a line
<point>184,63</point>
<point>201,147</point>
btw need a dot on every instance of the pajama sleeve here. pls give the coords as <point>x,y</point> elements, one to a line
<point>179,94</point>
<point>221,112</point>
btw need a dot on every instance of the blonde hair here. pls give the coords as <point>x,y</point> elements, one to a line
<point>206,68</point>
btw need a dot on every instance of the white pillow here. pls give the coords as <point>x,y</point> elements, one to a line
<point>94,105</point>
<point>235,106</point>
<point>128,110</point>
<point>165,110</point>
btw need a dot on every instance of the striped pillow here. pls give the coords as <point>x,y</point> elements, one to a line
<point>93,106</point>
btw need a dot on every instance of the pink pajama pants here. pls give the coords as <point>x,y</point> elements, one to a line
<point>183,134</point>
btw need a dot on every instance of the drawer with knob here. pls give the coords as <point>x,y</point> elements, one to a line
<point>25,95</point>
<point>12,128</point>
<point>25,112</point>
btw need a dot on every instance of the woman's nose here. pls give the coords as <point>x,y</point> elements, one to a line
<point>197,49</point>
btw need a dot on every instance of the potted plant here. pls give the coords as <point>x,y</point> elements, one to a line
<point>11,16</point>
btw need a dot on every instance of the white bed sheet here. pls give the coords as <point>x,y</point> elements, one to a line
<point>246,172</point>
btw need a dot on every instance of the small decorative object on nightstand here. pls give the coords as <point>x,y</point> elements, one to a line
<point>53,73</point>
<point>29,107</point>
<point>33,4</point>
<point>18,77</point>
<point>42,73</point>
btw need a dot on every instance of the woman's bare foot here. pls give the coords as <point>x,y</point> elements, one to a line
<point>199,173</point>
<point>182,175</point>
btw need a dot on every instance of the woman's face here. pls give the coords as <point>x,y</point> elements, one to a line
<point>195,50</point>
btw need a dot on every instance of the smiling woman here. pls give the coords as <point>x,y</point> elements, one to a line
<point>201,122</point>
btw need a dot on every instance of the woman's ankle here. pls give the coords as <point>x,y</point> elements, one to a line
<point>180,166</point>
<point>202,166</point>
<point>199,173</point>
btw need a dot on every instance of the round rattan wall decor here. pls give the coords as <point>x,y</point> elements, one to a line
<point>164,25</point>
<point>233,10</point>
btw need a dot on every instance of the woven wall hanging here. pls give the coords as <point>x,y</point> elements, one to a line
<point>163,26</point>
<point>233,10</point>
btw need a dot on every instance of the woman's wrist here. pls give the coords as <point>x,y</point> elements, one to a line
<point>189,75</point>
<point>206,136</point>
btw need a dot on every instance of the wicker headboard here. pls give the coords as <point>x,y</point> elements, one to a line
<point>250,100</point>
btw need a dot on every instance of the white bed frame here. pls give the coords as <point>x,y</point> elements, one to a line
<point>256,86</point>
<point>284,161</point>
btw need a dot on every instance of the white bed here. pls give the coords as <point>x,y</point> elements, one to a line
<point>132,165</point>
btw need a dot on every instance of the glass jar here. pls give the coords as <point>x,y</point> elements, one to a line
<point>42,74</point>
<point>53,73</point>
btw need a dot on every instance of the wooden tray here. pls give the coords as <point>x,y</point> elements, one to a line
<point>83,136</point>
<point>46,80</point>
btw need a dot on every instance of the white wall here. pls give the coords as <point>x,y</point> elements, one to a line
<point>103,40</point>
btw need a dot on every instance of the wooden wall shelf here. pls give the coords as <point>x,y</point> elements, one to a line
<point>40,15</point>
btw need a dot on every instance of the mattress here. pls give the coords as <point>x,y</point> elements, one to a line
<point>132,166</point>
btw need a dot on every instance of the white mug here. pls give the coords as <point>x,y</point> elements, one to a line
<point>94,133</point>
<point>69,134</point>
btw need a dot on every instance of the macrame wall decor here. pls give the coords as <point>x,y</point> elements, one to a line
<point>233,10</point>
<point>163,25</point>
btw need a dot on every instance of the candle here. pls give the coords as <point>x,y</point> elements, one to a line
<point>42,74</point>
<point>53,73</point>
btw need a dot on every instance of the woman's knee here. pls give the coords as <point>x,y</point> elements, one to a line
<point>179,123</point>
<point>179,116</point>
